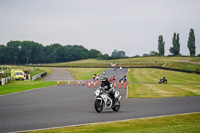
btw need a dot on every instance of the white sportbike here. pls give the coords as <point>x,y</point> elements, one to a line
<point>103,100</point>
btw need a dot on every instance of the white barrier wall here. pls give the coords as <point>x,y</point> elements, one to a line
<point>6,80</point>
<point>9,79</point>
<point>37,76</point>
<point>3,81</point>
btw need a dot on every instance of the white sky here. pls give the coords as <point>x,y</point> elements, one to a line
<point>129,25</point>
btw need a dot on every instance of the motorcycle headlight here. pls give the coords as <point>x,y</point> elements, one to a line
<point>116,94</point>
<point>97,92</point>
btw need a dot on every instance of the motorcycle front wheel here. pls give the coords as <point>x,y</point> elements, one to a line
<point>116,107</point>
<point>98,106</point>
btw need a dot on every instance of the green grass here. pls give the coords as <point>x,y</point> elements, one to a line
<point>17,86</point>
<point>170,62</point>
<point>184,66</point>
<point>38,70</point>
<point>85,73</point>
<point>166,124</point>
<point>33,70</point>
<point>146,83</point>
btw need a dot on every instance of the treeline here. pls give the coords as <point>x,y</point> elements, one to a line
<point>175,49</point>
<point>26,52</point>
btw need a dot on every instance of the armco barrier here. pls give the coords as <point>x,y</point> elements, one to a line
<point>3,81</point>
<point>38,76</point>
<point>43,74</point>
<point>6,80</point>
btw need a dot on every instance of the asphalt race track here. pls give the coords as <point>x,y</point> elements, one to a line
<point>71,105</point>
<point>59,74</point>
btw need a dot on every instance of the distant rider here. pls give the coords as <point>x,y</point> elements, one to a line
<point>97,78</point>
<point>113,78</point>
<point>164,78</point>
<point>124,79</point>
<point>94,77</point>
<point>104,73</point>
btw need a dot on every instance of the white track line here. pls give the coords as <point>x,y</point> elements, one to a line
<point>98,123</point>
<point>127,92</point>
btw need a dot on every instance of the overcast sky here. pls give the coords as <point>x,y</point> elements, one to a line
<point>132,26</point>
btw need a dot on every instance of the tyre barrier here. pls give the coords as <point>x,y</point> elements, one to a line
<point>43,74</point>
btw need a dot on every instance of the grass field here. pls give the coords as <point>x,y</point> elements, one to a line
<point>85,73</point>
<point>146,83</point>
<point>183,66</point>
<point>17,86</point>
<point>186,63</point>
<point>33,70</point>
<point>167,124</point>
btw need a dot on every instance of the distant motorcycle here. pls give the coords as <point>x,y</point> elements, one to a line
<point>123,79</point>
<point>112,79</point>
<point>103,100</point>
<point>162,81</point>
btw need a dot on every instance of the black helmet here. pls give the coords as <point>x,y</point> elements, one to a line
<point>104,79</point>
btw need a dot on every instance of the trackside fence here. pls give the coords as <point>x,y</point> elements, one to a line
<point>38,76</point>
<point>6,80</point>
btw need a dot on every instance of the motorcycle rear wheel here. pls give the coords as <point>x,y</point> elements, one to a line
<point>98,106</point>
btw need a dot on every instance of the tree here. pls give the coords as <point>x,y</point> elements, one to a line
<point>153,53</point>
<point>93,53</point>
<point>17,52</point>
<point>118,54</point>
<point>104,57</point>
<point>13,49</point>
<point>161,45</point>
<point>175,50</point>
<point>146,55</point>
<point>3,53</point>
<point>191,43</point>
<point>177,46</point>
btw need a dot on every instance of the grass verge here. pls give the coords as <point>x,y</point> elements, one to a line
<point>17,86</point>
<point>186,63</point>
<point>146,83</point>
<point>166,124</point>
<point>183,66</point>
<point>85,73</point>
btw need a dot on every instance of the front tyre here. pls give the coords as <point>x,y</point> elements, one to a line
<point>116,107</point>
<point>98,106</point>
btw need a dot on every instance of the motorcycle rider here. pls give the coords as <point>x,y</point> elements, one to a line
<point>113,78</point>
<point>108,87</point>
<point>123,79</point>
<point>94,77</point>
<point>97,78</point>
<point>164,78</point>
